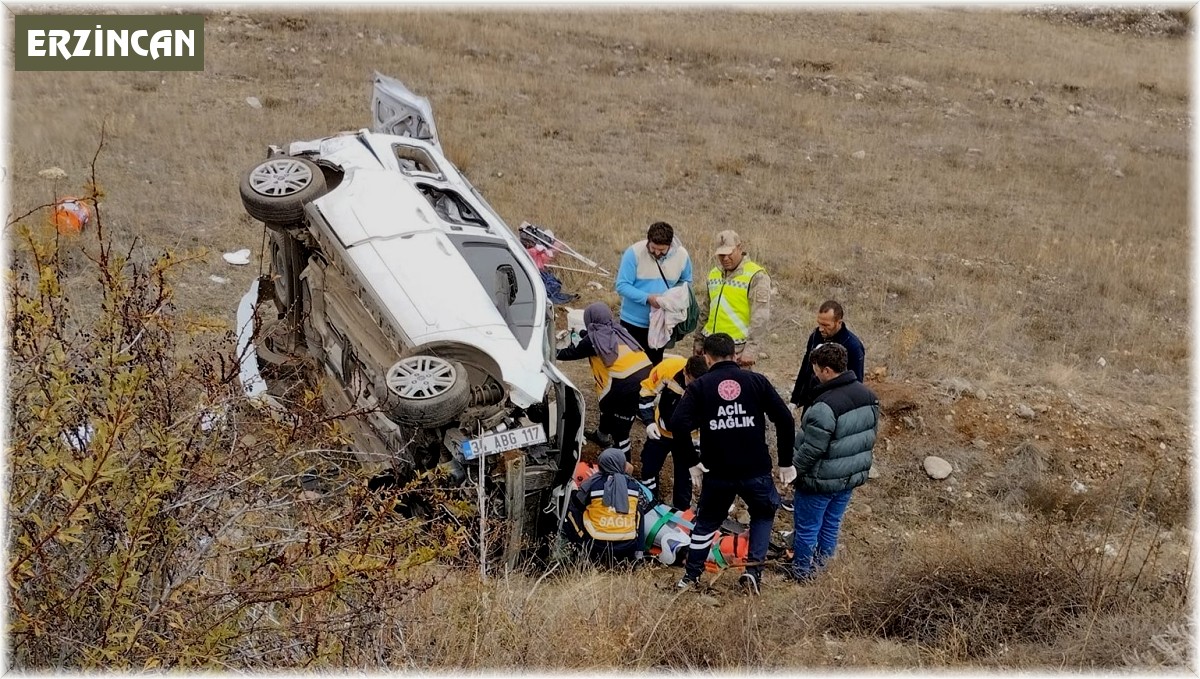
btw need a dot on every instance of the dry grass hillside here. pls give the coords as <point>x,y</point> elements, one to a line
<point>998,199</point>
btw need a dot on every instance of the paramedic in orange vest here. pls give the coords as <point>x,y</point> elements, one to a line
<point>738,301</point>
<point>618,365</point>
<point>661,392</point>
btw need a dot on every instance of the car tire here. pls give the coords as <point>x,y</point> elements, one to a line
<point>275,190</point>
<point>427,391</point>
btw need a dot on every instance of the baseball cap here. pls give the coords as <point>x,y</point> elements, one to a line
<point>726,242</point>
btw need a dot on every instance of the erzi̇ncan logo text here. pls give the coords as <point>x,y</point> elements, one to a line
<point>104,42</point>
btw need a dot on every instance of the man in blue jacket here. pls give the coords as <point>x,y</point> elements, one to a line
<point>730,406</point>
<point>832,457</point>
<point>649,268</point>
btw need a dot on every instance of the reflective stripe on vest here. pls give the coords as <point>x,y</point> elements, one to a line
<point>628,362</point>
<point>729,302</point>
<point>607,525</point>
<point>667,370</point>
<point>663,428</point>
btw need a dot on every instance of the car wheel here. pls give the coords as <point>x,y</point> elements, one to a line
<point>428,391</point>
<point>275,190</point>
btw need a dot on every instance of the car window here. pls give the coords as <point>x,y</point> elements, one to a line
<point>451,207</point>
<point>415,160</point>
<point>505,282</point>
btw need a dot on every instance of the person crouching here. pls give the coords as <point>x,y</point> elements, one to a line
<point>603,515</point>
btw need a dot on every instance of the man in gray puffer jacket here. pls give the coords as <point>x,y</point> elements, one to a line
<point>832,457</point>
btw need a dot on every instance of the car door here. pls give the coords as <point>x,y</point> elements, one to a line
<point>396,110</point>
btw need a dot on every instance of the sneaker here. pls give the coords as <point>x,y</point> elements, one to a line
<point>685,584</point>
<point>599,438</point>
<point>749,582</point>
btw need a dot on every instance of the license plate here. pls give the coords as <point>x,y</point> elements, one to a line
<point>502,441</point>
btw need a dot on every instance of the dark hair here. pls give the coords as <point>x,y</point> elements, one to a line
<point>660,233</point>
<point>719,345</point>
<point>830,305</point>
<point>695,367</point>
<point>830,355</point>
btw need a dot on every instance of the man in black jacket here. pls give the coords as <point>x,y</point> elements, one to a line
<point>830,328</point>
<point>729,406</point>
<point>832,457</point>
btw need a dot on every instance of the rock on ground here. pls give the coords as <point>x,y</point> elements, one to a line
<point>937,468</point>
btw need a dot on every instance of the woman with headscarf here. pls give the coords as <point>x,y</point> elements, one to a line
<point>618,365</point>
<point>604,513</point>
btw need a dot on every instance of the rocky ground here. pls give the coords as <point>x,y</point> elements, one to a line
<point>1142,22</point>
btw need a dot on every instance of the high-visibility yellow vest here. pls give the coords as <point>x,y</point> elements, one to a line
<point>628,362</point>
<point>663,377</point>
<point>729,302</point>
<point>607,524</point>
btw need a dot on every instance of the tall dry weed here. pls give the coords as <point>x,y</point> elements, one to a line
<point>157,520</point>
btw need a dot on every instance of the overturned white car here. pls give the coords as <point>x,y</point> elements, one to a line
<point>409,297</point>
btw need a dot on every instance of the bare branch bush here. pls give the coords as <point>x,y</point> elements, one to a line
<point>159,521</point>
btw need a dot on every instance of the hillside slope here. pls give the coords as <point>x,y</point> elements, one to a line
<point>999,200</point>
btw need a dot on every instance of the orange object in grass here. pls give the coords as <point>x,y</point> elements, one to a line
<point>70,215</point>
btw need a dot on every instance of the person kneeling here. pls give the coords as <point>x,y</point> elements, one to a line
<point>603,516</point>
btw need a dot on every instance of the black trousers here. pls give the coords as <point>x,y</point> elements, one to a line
<point>654,455</point>
<point>617,409</point>
<point>642,335</point>
<point>716,494</point>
